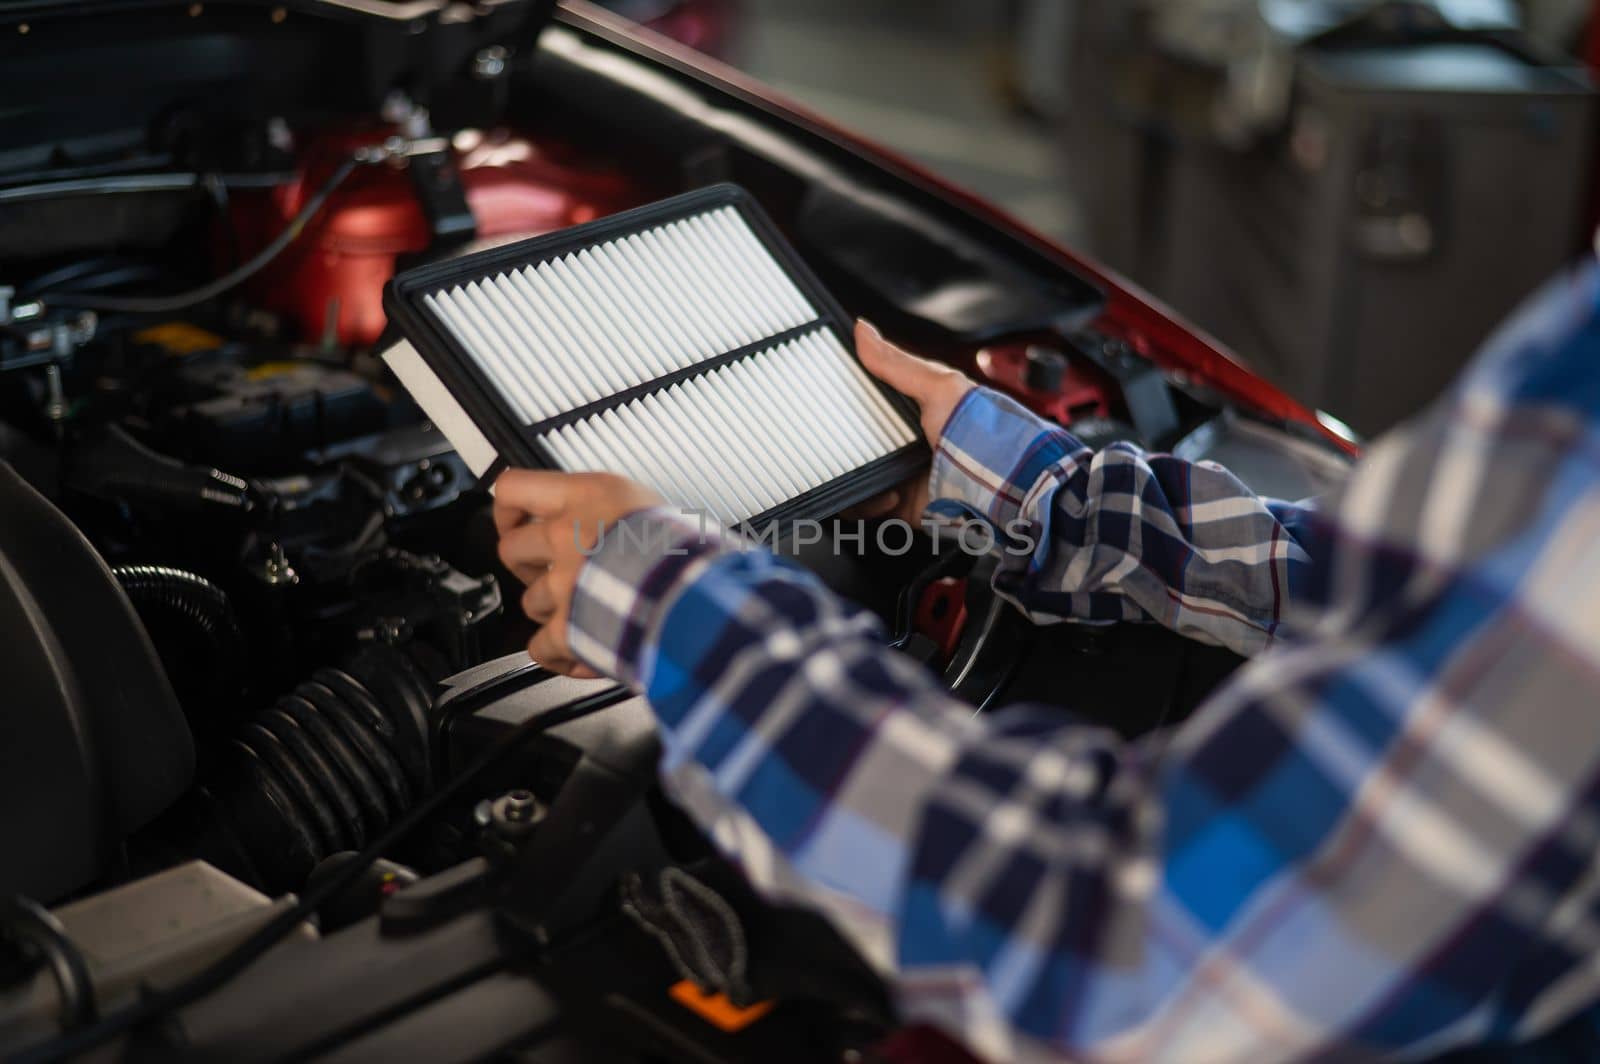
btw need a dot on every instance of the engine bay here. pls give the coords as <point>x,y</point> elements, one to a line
<point>193,411</point>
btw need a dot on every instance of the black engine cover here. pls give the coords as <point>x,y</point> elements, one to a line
<point>92,742</point>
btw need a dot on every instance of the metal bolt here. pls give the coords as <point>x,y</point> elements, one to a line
<point>55,407</point>
<point>275,569</point>
<point>520,805</point>
<point>515,814</point>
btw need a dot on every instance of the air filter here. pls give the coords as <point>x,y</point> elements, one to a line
<point>683,344</point>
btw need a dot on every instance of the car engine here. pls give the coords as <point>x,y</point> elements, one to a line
<point>308,555</point>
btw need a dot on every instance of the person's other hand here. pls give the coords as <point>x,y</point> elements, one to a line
<point>935,388</point>
<point>547,521</point>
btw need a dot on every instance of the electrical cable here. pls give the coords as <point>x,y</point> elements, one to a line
<point>183,300</point>
<point>230,964</point>
<point>202,606</point>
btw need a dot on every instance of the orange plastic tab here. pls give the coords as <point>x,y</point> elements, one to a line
<point>179,338</point>
<point>716,1009</point>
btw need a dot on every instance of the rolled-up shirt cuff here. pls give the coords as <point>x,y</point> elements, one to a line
<point>626,586</point>
<point>991,454</point>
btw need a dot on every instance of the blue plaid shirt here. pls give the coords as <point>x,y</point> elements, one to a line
<point>1380,835</point>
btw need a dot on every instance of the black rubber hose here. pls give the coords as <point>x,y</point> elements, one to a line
<point>184,300</point>
<point>191,598</point>
<point>36,930</point>
<point>358,790</point>
<point>328,766</point>
<point>161,1001</point>
<point>351,708</point>
<point>300,780</point>
<point>117,467</point>
<point>111,184</point>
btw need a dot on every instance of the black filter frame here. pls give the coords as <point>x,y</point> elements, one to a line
<point>517,445</point>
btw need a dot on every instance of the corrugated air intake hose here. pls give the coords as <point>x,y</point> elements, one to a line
<point>329,765</point>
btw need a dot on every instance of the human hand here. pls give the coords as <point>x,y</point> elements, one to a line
<point>936,389</point>
<point>547,521</point>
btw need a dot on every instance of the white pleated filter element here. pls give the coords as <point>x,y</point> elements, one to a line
<point>747,436</point>
<point>732,442</point>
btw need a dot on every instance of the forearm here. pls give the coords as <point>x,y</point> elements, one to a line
<point>784,695</point>
<point>838,772</point>
<point>1030,881</point>
<point>1119,534</point>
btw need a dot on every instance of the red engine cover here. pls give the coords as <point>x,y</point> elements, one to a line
<point>515,187</point>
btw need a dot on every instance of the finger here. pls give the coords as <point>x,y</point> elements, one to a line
<point>563,660</point>
<point>516,504</point>
<point>874,508</point>
<point>526,550</point>
<point>548,647</point>
<point>894,365</point>
<point>915,497</point>
<point>539,601</point>
<point>573,668</point>
<point>536,492</point>
<point>507,516</point>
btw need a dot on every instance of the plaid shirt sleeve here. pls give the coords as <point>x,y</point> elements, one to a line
<point>1378,837</point>
<point>1119,534</point>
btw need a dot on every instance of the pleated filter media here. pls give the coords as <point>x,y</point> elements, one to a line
<point>683,344</point>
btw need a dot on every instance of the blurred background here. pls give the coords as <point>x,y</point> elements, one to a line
<point>1349,194</point>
